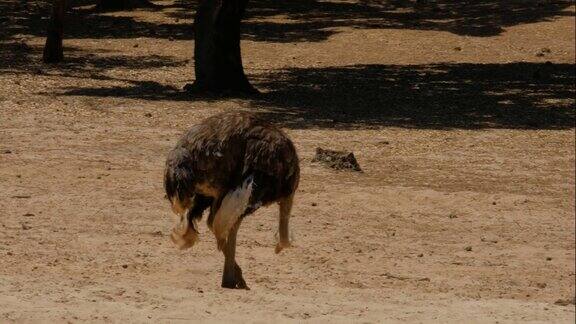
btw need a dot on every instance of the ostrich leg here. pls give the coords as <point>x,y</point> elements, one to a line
<point>232,276</point>
<point>283,228</point>
<point>213,210</point>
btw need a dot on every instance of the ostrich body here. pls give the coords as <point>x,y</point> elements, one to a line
<point>232,163</point>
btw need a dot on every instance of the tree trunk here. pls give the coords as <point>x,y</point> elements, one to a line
<point>112,5</point>
<point>53,50</point>
<point>217,58</point>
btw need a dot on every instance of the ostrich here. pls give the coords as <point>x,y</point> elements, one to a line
<point>233,163</point>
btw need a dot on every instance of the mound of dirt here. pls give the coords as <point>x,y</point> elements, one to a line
<point>339,160</point>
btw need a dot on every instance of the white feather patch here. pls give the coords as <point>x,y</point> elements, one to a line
<point>232,207</point>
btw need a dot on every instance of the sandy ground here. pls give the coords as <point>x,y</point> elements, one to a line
<point>464,211</point>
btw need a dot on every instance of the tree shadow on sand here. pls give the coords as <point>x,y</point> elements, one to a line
<point>292,21</point>
<point>18,57</point>
<point>436,96</point>
<point>315,20</point>
<point>30,18</point>
<point>469,96</point>
<point>307,20</point>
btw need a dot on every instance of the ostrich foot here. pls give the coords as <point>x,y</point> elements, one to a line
<point>235,280</point>
<point>281,246</point>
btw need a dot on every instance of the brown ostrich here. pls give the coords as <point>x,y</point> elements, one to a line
<point>233,163</point>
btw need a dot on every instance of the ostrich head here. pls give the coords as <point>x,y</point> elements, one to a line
<point>179,191</point>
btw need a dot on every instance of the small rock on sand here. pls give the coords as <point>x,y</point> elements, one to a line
<point>338,160</point>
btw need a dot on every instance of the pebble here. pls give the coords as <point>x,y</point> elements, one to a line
<point>564,302</point>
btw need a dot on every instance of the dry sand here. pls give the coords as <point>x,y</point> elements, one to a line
<point>464,211</point>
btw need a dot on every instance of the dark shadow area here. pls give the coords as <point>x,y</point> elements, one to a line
<point>121,5</point>
<point>440,96</point>
<point>22,17</point>
<point>517,95</point>
<point>315,20</point>
<point>145,90</point>
<point>107,26</point>
<point>291,21</point>
<point>99,63</point>
<point>18,57</point>
<point>84,20</point>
